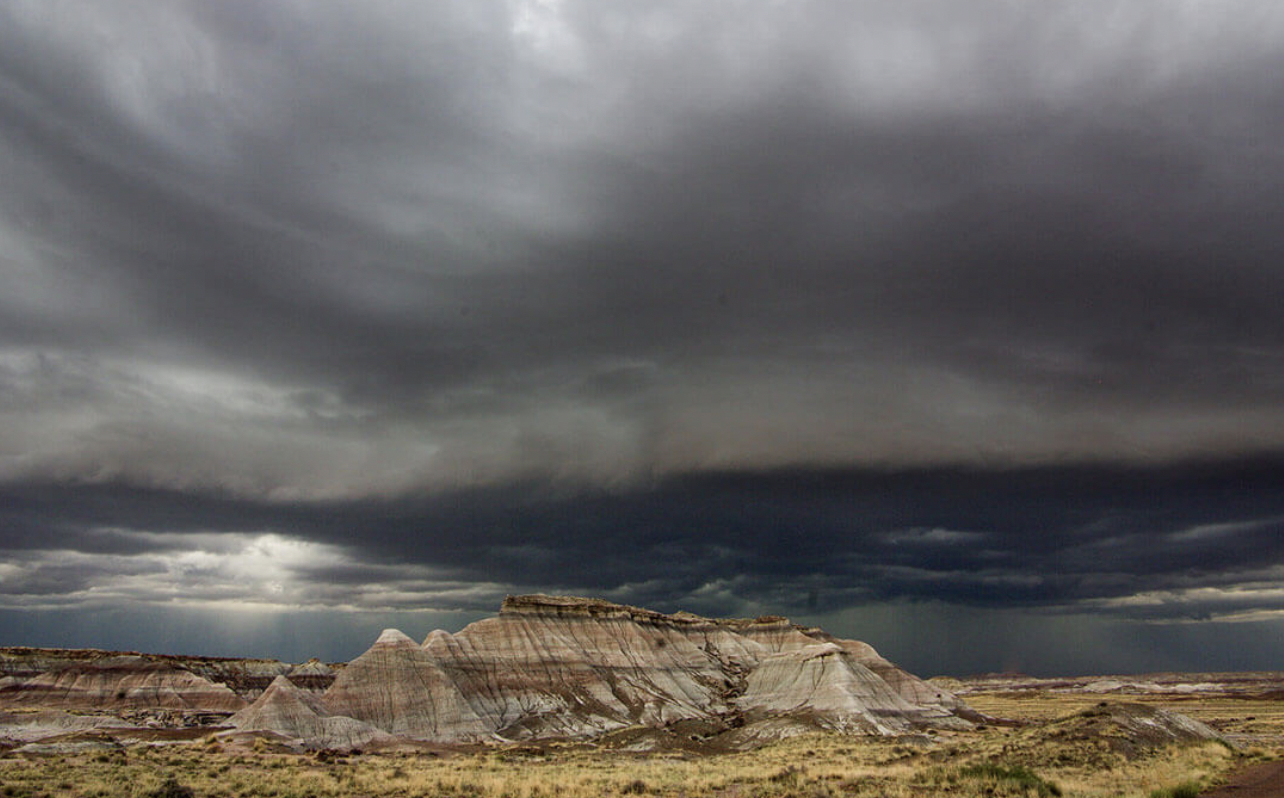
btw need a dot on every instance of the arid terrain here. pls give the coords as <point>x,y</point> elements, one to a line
<point>1040,758</point>
<point>574,697</point>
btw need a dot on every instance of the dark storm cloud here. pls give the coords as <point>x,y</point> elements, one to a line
<point>1154,543</point>
<point>809,307</point>
<point>258,249</point>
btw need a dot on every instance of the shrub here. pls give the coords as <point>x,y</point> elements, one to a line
<point>1187,789</point>
<point>789,775</point>
<point>1017,775</point>
<point>172,789</point>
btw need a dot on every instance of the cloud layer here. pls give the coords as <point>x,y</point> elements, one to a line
<point>794,306</point>
<point>321,252</point>
<point>1139,543</point>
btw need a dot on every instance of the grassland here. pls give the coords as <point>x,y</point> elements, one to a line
<point>985,763</point>
<point>1248,717</point>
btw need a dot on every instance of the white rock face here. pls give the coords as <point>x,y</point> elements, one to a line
<point>820,681</point>
<point>286,709</point>
<point>570,667</point>
<point>400,688</point>
<point>925,696</point>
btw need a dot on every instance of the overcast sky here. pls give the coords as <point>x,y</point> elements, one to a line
<point>954,326</point>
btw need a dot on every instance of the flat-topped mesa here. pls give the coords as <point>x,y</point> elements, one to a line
<point>569,667</point>
<point>577,606</point>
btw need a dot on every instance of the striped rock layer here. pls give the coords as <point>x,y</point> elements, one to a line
<point>121,683</point>
<point>551,666</point>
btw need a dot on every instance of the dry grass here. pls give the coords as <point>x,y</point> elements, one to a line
<point>986,763</point>
<point>1229,715</point>
<point>969,765</point>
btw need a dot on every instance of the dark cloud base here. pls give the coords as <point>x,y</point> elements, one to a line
<point>1137,547</point>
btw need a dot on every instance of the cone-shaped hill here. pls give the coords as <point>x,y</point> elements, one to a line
<point>288,710</point>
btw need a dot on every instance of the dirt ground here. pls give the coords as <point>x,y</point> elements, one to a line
<point>1264,780</point>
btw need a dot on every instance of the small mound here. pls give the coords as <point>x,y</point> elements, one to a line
<point>1111,732</point>
<point>73,743</point>
<point>1145,726</point>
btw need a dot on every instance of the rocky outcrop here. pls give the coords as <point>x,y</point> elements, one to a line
<point>550,666</point>
<point>400,688</point>
<point>823,684</point>
<point>286,709</point>
<point>559,668</point>
<point>247,677</point>
<point>1107,734</point>
<point>313,675</point>
<point>923,694</point>
<point>29,726</point>
<point>126,682</point>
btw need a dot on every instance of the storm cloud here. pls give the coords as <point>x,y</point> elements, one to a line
<point>779,307</point>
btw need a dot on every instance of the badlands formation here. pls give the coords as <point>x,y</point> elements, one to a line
<point>558,667</point>
<point>545,668</point>
<point>127,682</point>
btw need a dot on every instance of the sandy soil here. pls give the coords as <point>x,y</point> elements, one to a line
<point>1265,780</point>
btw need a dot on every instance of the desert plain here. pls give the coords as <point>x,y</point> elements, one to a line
<point>562,697</point>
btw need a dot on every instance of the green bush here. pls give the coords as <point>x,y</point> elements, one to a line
<point>1018,775</point>
<point>1187,789</point>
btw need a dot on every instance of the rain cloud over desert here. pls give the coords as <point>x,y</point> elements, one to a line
<point>951,326</point>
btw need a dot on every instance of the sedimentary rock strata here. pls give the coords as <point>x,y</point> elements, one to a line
<point>28,726</point>
<point>569,667</point>
<point>295,713</point>
<point>399,687</point>
<point>127,682</point>
<point>313,675</point>
<point>247,677</point>
<point>545,667</point>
